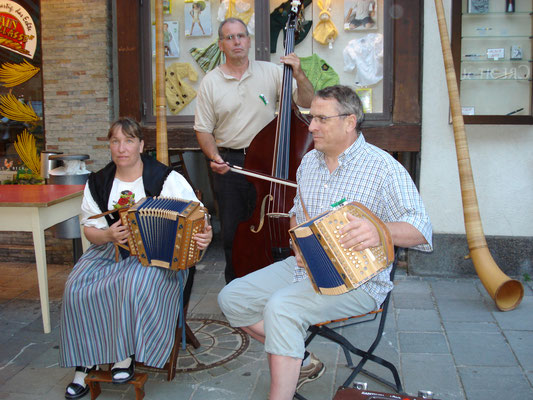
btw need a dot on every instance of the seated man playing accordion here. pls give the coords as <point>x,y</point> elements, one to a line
<point>277,304</point>
<point>119,311</point>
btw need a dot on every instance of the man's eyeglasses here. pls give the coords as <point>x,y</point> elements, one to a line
<point>229,38</point>
<point>323,118</point>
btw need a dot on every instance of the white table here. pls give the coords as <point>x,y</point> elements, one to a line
<point>34,208</point>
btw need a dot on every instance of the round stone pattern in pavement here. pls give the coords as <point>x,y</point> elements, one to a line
<point>219,343</point>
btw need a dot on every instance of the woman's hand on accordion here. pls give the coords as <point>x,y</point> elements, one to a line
<point>118,233</point>
<point>204,238</point>
<point>358,233</point>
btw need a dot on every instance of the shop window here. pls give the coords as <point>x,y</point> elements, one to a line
<point>492,49</point>
<point>358,56</point>
<point>393,101</point>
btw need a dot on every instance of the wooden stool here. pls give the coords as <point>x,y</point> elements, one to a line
<point>94,378</point>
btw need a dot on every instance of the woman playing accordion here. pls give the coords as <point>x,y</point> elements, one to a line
<point>119,311</point>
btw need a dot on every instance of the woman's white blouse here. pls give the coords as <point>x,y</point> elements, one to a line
<point>175,186</point>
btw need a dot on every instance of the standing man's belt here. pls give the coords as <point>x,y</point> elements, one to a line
<point>227,149</point>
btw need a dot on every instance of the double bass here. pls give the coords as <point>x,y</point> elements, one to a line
<point>275,151</point>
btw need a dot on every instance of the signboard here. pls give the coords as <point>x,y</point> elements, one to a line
<point>17,29</point>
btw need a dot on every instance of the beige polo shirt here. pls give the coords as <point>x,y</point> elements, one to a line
<point>234,111</point>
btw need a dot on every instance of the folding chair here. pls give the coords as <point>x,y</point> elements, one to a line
<point>329,332</point>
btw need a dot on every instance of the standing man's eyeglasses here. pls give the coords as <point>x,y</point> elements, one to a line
<point>229,38</point>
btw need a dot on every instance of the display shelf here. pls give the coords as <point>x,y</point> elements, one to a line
<point>497,13</point>
<point>493,54</point>
<point>463,79</point>
<point>496,37</point>
<point>468,60</point>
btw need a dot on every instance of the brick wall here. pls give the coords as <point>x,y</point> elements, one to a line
<point>78,100</point>
<point>17,247</point>
<point>77,77</point>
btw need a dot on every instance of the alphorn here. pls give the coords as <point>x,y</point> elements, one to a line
<point>506,292</point>
<point>160,98</point>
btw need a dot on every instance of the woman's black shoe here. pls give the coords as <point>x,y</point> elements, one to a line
<point>130,371</point>
<point>79,390</point>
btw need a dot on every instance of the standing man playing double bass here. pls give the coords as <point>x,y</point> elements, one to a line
<point>235,102</point>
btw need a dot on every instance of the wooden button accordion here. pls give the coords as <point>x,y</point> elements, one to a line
<point>331,268</point>
<point>162,230</point>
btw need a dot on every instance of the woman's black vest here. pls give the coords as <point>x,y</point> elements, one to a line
<point>101,182</point>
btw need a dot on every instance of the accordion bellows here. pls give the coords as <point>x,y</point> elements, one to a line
<point>162,231</point>
<point>331,268</point>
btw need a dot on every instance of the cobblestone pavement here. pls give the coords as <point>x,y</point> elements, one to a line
<point>444,335</point>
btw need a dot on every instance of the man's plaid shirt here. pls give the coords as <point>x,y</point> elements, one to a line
<point>372,177</point>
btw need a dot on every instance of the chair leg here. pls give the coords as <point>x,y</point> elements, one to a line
<point>189,338</point>
<point>173,359</point>
<point>330,334</point>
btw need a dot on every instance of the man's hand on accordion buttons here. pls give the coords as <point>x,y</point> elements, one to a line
<point>204,238</point>
<point>358,233</point>
<point>118,233</point>
<point>299,259</point>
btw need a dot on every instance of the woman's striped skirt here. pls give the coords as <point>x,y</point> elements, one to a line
<point>112,310</point>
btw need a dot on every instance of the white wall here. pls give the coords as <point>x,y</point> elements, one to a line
<point>501,156</point>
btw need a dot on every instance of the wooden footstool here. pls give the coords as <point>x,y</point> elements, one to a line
<point>94,378</point>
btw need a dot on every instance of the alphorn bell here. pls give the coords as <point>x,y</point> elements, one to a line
<point>506,292</point>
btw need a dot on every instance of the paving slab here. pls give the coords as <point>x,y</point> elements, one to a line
<point>435,372</point>
<point>423,301</point>
<point>464,310</point>
<point>521,318</point>
<point>529,376</point>
<point>483,383</point>
<point>413,294</point>
<point>464,289</point>
<point>476,348</point>
<point>414,286</point>
<point>521,343</point>
<point>208,304</point>
<point>466,326</point>
<point>421,342</point>
<point>418,320</point>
